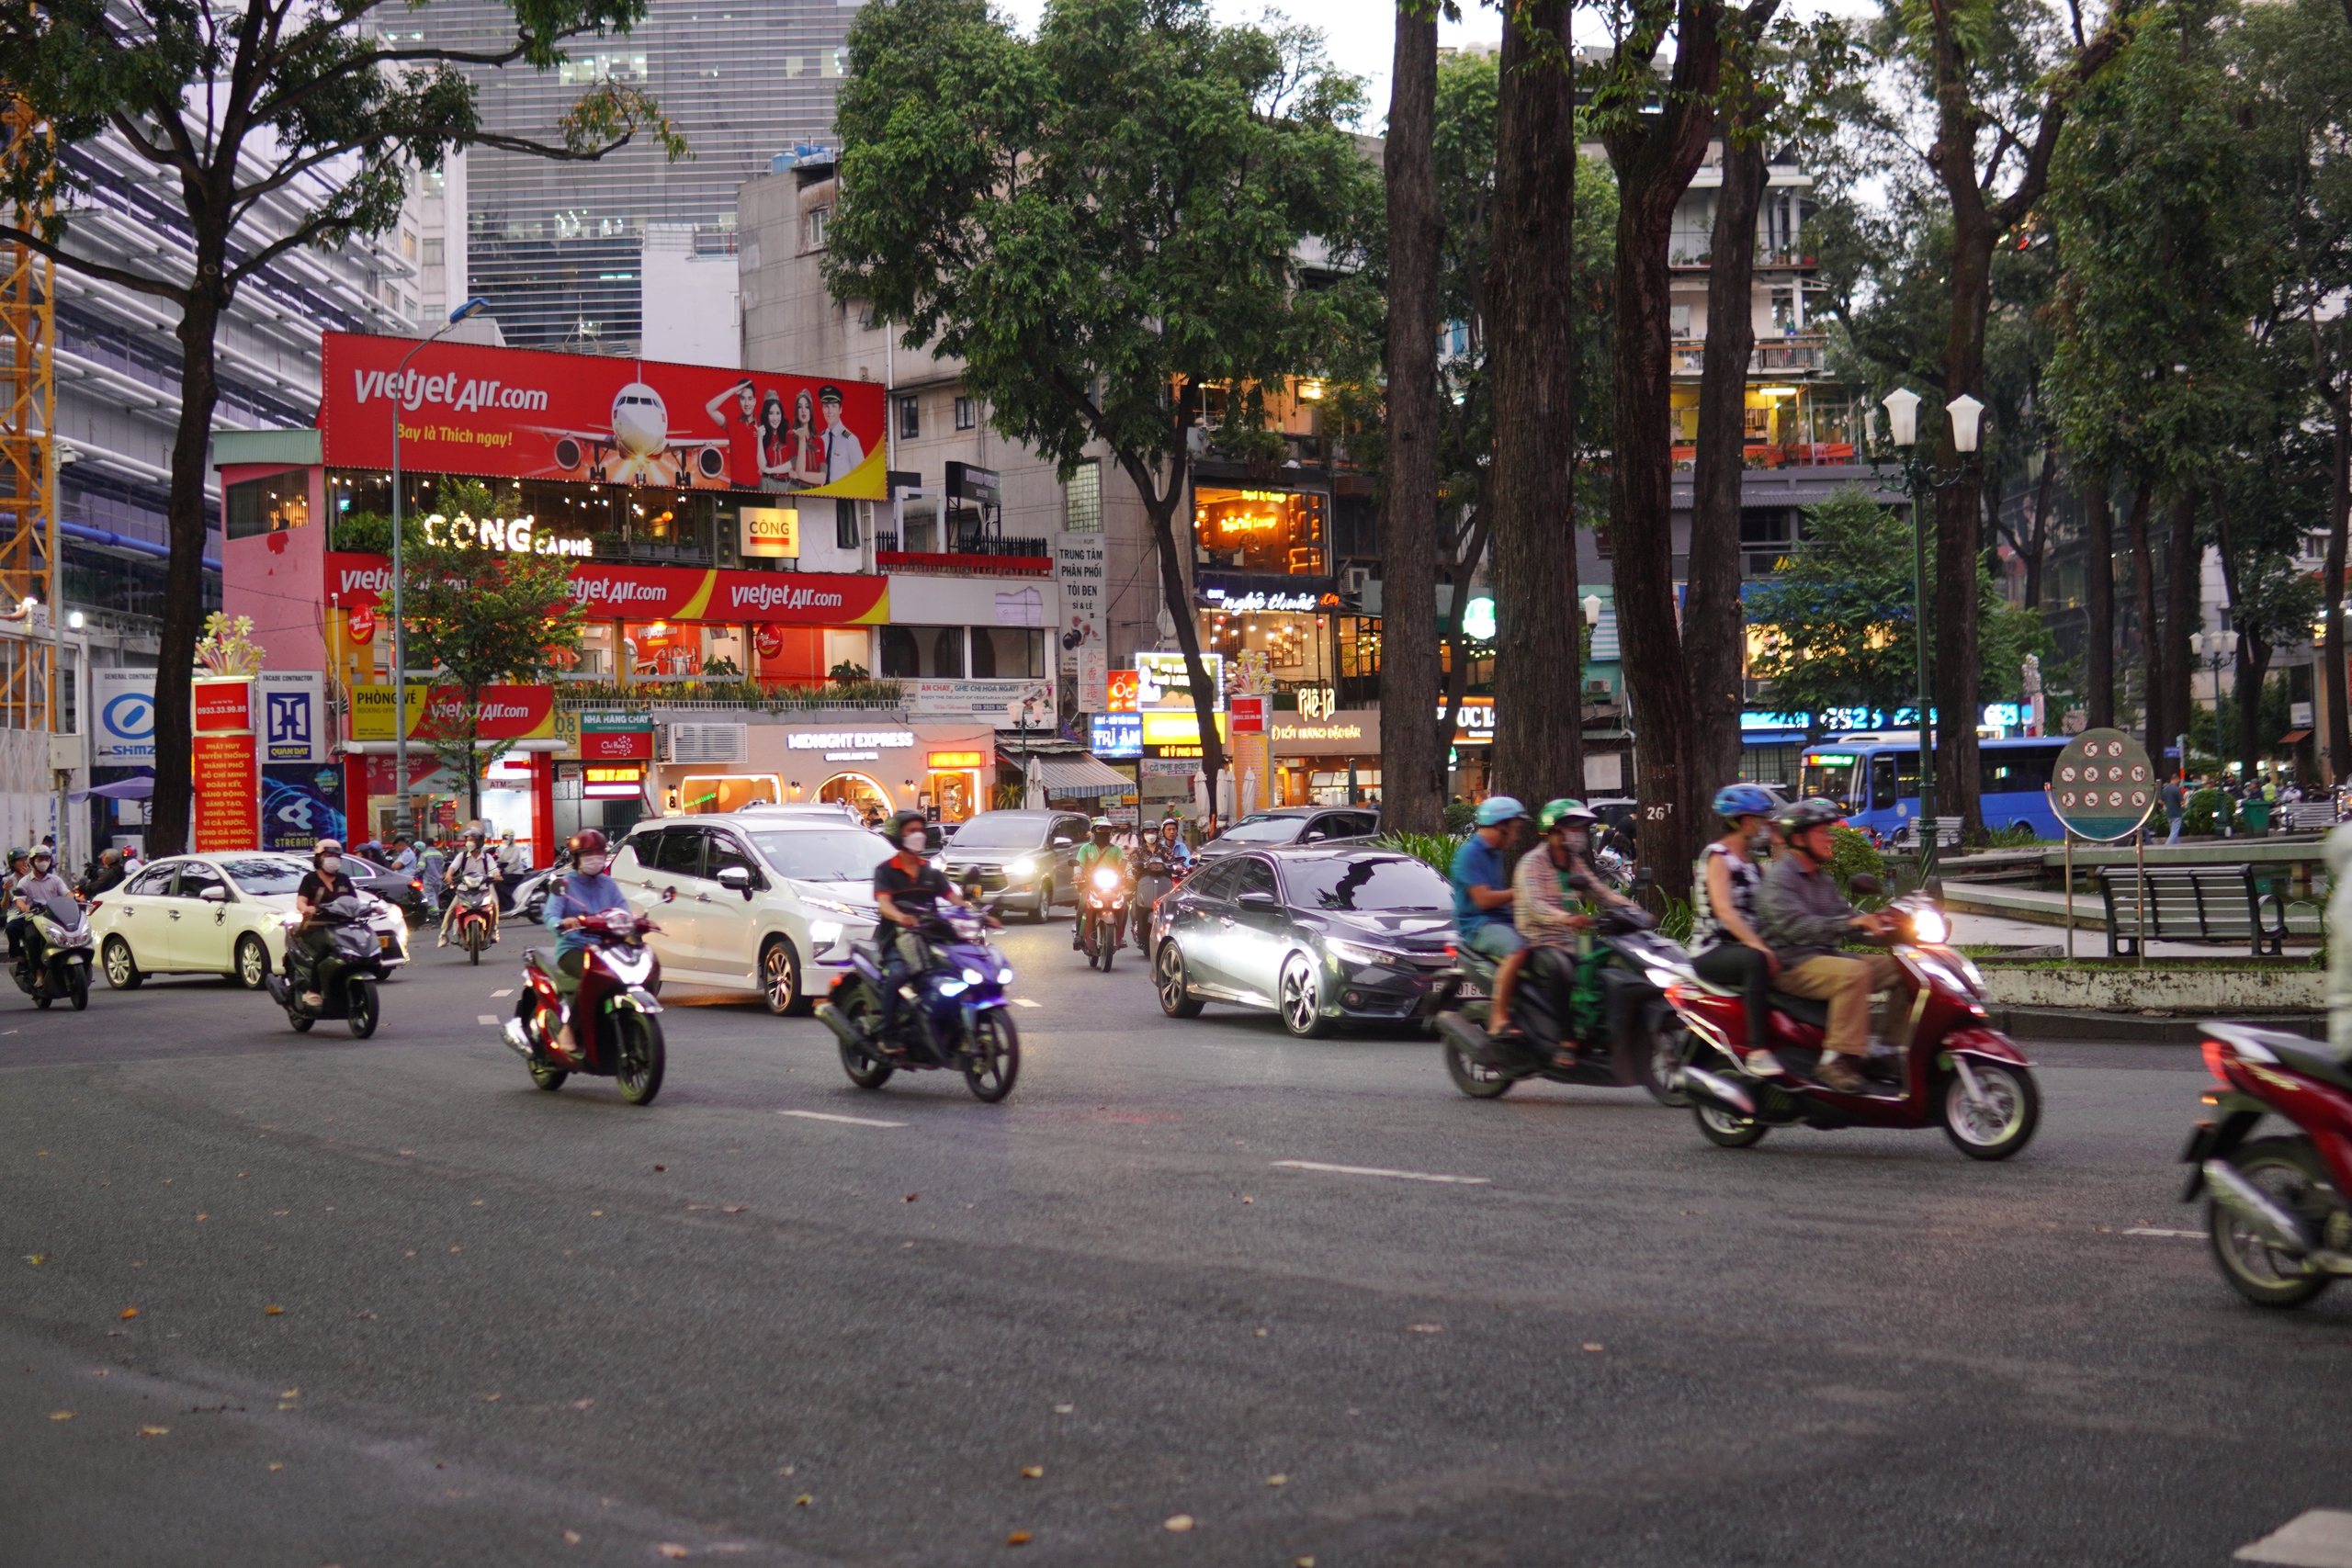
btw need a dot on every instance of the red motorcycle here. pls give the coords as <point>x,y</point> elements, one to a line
<point>2281,1224</point>
<point>616,1021</point>
<point>1957,1071</point>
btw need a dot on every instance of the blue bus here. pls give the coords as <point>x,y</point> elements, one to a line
<point>1876,779</point>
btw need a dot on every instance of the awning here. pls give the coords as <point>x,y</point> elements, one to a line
<point>126,789</point>
<point>1083,776</point>
<point>2293,736</point>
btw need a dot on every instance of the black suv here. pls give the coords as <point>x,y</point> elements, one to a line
<point>1293,825</point>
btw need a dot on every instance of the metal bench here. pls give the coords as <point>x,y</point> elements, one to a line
<point>2220,903</point>
<point>2309,816</point>
<point>1947,833</point>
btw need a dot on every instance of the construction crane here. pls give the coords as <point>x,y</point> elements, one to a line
<point>28,454</point>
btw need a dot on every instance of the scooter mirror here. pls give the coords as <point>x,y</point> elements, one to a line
<point>1864,885</point>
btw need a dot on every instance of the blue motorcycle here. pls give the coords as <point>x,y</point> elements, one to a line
<point>953,1014</point>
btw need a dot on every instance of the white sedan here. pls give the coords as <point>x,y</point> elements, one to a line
<point>225,914</point>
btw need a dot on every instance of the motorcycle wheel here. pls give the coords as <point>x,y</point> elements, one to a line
<point>1666,1049</point>
<point>77,989</point>
<point>41,998</point>
<point>2005,1124</point>
<point>1086,939</point>
<point>1107,941</point>
<point>473,941</point>
<point>546,1077</point>
<point>1473,1077</point>
<point>994,1059</point>
<point>361,1017</point>
<point>642,1057</point>
<point>2291,1172</point>
<point>858,1004</point>
<point>1168,974</point>
<point>301,1023</point>
<point>1727,1131</point>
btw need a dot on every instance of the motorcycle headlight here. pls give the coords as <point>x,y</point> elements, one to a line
<point>1105,879</point>
<point>1004,976</point>
<point>973,976</point>
<point>1929,925</point>
<point>1021,868</point>
<point>954,987</point>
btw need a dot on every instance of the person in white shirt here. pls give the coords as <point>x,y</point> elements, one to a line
<point>473,861</point>
<point>843,452</point>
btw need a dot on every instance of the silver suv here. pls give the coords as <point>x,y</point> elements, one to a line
<point>756,902</point>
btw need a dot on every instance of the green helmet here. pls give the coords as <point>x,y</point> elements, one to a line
<point>1565,810</point>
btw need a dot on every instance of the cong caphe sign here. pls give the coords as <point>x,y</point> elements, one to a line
<point>670,593</point>
<point>524,414</point>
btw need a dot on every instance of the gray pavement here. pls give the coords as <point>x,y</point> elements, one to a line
<point>519,1327</point>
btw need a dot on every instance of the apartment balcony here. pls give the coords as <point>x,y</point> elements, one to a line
<point>1693,257</point>
<point>1790,355</point>
<point>1801,455</point>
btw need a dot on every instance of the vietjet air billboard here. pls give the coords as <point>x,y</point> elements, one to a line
<point>523,413</point>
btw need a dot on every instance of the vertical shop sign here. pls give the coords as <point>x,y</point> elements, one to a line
<point>1252,756</point>
<point>1094,679</point>
<point>293,715</point>
<point>1077,568</point>
<point>300,806</point>
<point>126,730</point>
<point>227,772</point>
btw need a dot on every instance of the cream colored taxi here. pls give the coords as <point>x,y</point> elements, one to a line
<point>225,914</point>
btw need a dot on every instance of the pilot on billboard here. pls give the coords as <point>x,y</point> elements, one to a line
<point>843,452</point>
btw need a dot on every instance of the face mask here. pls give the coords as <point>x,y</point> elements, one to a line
<point>592,865</point>
<point>329,865</point>
<point>1760,844</point>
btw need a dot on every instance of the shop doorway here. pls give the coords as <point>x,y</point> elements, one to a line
<point>700,792</point>
<point>952,795</point>
<point>857,792</point>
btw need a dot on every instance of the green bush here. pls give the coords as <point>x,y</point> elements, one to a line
<point>2208,812</point>
<point>1855,853</point>
<point>1435,848</point>
<point>2018,836</point>
<point>1460,816</point>
<point>1676,924</point>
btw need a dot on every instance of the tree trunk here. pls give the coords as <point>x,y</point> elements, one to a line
<point>2184,582</point>
<point>2254,666</point>
<point>2037,549</point>
<point>1655,156</point>
<point>1711,630</point>
<point>2098,597</point>
<point>1953,682</point>
<point>1530,294</point>
<point>2143,587</point>
<point>2339,759</point>
<point>1161,509</point>
<point>1412,765</point>
<point>169,809</point>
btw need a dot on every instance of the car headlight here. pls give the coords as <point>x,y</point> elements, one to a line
<point>1353,953</point>
<point>1021,868</point>
<point>1929,925</point>
<point>823,933</point>
<point>831,906</point>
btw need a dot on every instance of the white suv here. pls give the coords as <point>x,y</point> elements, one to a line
<point>755,902</point>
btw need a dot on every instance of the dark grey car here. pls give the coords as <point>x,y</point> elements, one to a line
<point>1026,856</point>
<point>1293,825</point>
<point>1318,935</point>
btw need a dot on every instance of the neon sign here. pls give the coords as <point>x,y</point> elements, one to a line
<point>516,536</point>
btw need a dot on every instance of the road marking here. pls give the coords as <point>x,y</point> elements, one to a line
<point>829,1116</point>
<point>1026,1002</point>
<point>490,1018</point>
<point>507,992</point>
<point>1375,1170</point>
<point>2320,1538</point>
<point>2150,1230</point>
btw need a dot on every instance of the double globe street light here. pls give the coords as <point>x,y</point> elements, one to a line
<point>1921,478</point>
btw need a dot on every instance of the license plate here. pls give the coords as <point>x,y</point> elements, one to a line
<point>1471,993</point>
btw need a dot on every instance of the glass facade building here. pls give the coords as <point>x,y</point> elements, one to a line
<point>557,247</point>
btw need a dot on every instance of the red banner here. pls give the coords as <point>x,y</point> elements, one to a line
<point>523,413</point>
<point>228,794</point>
<point>671,592</point>
<point>616,746</point>
<point>223,704</point>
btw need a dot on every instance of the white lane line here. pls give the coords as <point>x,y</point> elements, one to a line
<point>1375,1170</point>
<point>851,1121</point>
<point>507,992</point>
<point>1026,1002</point>
<point>2321,1538</point>
<point>491,1018</point>
<point>2150,1229</point>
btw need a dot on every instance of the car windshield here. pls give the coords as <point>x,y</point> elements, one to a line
<point>264,877</point>
<point>824,855</point>
<point>1001,830</point>
<point>1261,830</point>
<point>1385,882</point>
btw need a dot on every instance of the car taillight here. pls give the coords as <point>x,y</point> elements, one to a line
<point>2217,1059</point>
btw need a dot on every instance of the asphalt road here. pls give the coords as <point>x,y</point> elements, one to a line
<point>393,1305</point>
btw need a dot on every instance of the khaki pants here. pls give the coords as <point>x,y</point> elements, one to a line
<point>1846,983</point>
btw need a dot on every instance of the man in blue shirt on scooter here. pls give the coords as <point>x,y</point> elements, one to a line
<point>1482,899</point>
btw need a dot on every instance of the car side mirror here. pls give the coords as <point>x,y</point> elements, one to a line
<point>215,895</point>
<point>737,878</point>
<point>1258,899</point>
<point>1061,843</point>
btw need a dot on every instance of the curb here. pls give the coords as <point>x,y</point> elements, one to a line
<point>2063,1023</point>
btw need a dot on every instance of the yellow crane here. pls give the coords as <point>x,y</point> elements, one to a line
<point>28,453</point>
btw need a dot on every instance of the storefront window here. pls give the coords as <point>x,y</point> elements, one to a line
<point>1008,653</point>
<point>267,505</point>
<point>1259,530</point>
<point>660,647</point>
<point>922,652</point>
<point>857,791</point>
<point>953,796</point>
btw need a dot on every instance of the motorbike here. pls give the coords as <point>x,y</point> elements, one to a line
<point>954,1014</point>
<point>56,961</point>
<point>1103,915</point>
<point>616,1021</point>
<point>477,906</point>
<point>1956,1071</point>
<point>2276,1211</point>
<point>1155,880</point>
<point>1612,1038</point>
<point>345,976</point>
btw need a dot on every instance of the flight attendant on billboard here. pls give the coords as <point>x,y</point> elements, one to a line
<point>789,458</point>
<point>742,432</point>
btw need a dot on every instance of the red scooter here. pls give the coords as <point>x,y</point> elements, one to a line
<point>2281,1224</point>
<point>1957,1071</point>
<point>616,1023</point>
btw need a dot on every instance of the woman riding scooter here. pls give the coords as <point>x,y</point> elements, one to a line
<point>1731,951</point>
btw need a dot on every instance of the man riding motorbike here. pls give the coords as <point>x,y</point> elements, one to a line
<point>1482,899</point>
<point>1543,902</point>
<point>1169,845</point>
<point>476,861</point>
<point>1804,918</point>
<point>324,882</point>
<point>1731,951</point>
<point>585,891</point>
<point>32,892</point>
<point>1102,851</point>
<point>907,890</point>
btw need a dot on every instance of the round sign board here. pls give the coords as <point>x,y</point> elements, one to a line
<point>2102,785</point>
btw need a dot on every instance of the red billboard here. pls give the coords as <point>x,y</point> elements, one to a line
<point>524,414</point>
<point>670,593</point>
<point>221,704</point>
<point>227,778</point>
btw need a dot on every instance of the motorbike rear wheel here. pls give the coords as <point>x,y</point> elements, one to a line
<point>362,1015</point>
<point>1728,1130</point>
<point>1666,1049</point>
<point>642,1057</point>
<point>301,1021</point>
<point>994,1062</point>
<point>1473,1077</point>
<point>2290,1171</point>
<point>858,1005</point>
<point>2004,1124</point>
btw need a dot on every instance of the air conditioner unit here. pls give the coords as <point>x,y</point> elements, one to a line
<point>705,744</point>
<point>1354,579</point>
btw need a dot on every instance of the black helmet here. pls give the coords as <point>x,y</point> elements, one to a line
<point>1808,814</point>
<point>896,831</point>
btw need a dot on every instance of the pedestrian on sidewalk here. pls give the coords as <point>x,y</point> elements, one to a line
<point>2175,806</point>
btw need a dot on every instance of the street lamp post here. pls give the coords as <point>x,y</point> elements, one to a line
<point>1921,479</point>
<point>403,820</point>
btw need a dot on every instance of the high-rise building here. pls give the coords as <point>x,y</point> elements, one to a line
<point>561,249</point>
